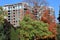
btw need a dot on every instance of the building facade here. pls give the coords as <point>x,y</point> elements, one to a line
<point>15,13</point>
<point>40,10</point>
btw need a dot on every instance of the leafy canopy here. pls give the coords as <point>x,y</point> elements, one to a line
<point>30,28</point>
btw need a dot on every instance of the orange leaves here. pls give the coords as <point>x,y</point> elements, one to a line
<point>45,17</point>
<point>46,13</point>
<point>52,28</point>
<point>29,13</point>
<point>50,19</point>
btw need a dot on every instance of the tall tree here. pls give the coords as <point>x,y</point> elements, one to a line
<point>47,18</point>
<point>1,10</point>
<point>4,26</point>
<point>1,24</point>
<point>59,16</point>
<point>36,2</point>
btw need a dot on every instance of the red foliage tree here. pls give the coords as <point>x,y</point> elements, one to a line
<point>28,12</point>
<point>47,18</point>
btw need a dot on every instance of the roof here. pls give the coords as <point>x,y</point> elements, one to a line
<point>15,4</point>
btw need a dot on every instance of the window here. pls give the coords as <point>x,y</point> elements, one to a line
<point>14,18</point>
<point>25,8</point>
<point>13,6</point>
<point>14,24</point>
<point>19,6</point>
<point>35,9</point>
<point>9,22</point>
<point>8,10</point>
<point>8,19</point>
<point>13,13</point>
<point>9,7</point>
<point>16,21</point>
<point>13,10</point>
<point>8,13</point>
<point>13,21</point>
<point>8,16</point>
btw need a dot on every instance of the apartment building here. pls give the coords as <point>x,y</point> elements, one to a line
<point>15,12</point>
<point>39,11</point>
<point>52,11</point>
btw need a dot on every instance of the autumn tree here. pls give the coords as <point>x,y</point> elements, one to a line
<point>36,2</point>
<point>50,19</point>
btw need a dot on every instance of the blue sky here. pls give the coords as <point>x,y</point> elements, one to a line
<point>53,3</point>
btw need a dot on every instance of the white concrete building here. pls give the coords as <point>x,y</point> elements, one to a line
<point>14,12</point>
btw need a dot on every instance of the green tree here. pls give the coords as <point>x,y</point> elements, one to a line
<point>30,28</point>
<point>14,34</point>
<point>1,23</point>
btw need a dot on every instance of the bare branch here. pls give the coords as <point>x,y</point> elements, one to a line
<point>36,2</point>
